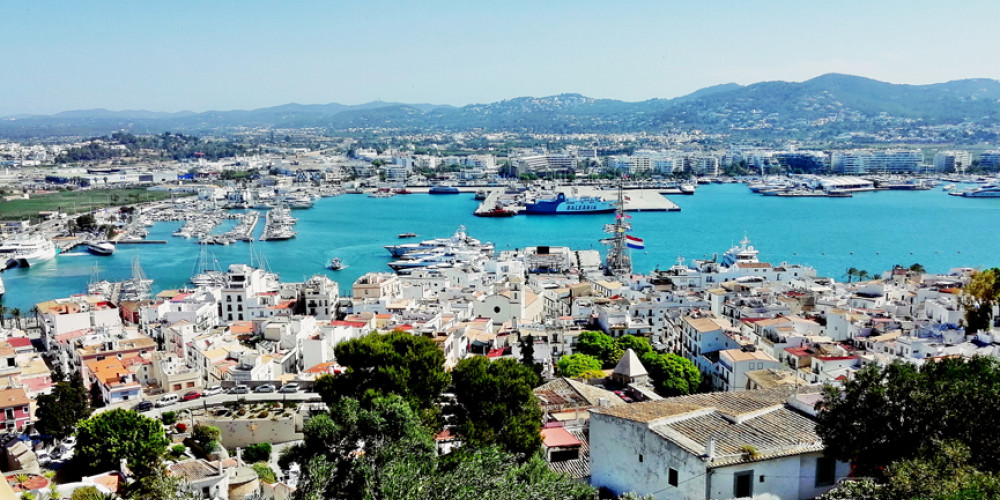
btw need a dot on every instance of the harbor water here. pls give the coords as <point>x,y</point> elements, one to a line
<point>871,231</point>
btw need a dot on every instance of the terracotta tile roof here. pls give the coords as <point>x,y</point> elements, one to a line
<point>13,397</point>
<point>558,437</point>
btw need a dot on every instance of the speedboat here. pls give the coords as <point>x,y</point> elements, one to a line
<point>406,235</point>
<point>101,247</point>
<point>336,264</point>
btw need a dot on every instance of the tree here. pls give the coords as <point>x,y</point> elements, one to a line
<point>887,415</point>
<point>851,272</point>
<point>385,452</point>
<point>57,413</point>
<point>107,438</point>
<point>671,375</point>
<point>498,405</point>
<point>601,346</point>
<point>349,452</point>
<point>577,364</point>
<point>16,314</point>
<point>260,452</point>
<point>265,473</point>
<point>397,363</point>
<point>917,268</point>
<point>979,297</point>
<point>640,345</point>
<point>205,433</point>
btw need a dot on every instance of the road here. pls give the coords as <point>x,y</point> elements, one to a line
<point>299,397</point>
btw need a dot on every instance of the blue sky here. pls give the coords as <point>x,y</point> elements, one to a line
<point>173,56</point>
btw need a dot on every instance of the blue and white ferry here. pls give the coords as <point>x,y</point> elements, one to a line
<point>561,204</point>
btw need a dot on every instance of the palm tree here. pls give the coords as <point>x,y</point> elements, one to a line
<point>917,268</point>
<point>3,315</point>
<point>863,275</point>
<point>16,313</point>
<point>851,272</point>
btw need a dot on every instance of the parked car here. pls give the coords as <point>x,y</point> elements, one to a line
<point>167,400</point>
<point>143,406</point>
<point>44,458</point>
<point>190,396</point>
<point>289,388</point>
<point>240,389</point>
<point>264,388</point>
<point>70,441</point>
<point>211,391</point>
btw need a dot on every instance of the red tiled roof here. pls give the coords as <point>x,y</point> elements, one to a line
<point>16,342</point>
<point>558,437</point>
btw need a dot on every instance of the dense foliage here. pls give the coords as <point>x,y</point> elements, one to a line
<point>578,365</point>
<point>888,415</point>
<point>497,405</point>
<point>384,451</point>
<point>398,363</point>
<point>671,375</point>
<point>58,413</point>
<point>165,145</point>
<point>259,452</point>
<point>107,438</point>
<point>979,297</point>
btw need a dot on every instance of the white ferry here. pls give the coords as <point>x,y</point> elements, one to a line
<point>26,252</point>
<point>988,191</point>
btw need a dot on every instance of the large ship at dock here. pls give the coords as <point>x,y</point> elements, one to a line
<point>26,252</point>
<point>562,204</point>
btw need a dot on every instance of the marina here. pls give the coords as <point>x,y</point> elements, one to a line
<point>715,217</point>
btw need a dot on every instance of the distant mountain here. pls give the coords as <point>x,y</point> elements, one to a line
<point>823,108</point>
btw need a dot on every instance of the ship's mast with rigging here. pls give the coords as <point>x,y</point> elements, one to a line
<point>618,262</point>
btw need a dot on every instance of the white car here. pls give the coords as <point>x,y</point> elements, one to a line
<point>211,391</point>
<point>44,458</point>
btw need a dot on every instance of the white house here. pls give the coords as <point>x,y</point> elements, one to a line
<point>716,445</point>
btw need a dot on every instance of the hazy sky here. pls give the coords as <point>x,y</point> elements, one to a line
<point>172,56</point>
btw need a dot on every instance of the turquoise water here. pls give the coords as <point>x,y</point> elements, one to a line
<point>880,228</point>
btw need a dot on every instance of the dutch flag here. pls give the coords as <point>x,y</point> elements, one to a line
<point>633,242</point>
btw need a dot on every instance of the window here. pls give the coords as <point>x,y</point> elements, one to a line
<point>826,471</point>
<point>743,484</point>
<point>672,477</point>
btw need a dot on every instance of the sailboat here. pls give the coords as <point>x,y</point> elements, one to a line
<point>97,286</point>
<point>206,273</point>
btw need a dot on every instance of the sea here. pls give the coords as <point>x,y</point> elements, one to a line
<point>871,231</point>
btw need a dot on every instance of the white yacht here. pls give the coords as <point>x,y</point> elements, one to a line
<point>101,247</point>
<point>26,252</point>
<point>739,254</point>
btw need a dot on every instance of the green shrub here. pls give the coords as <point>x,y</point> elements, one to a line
<point>265,473</point>
<point>169,418</point>
<point>260,452</point>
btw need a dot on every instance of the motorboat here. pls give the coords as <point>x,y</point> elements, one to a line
<point>497,211</point>
<point>406,235</point>
<point>101,247</point>
<point>336,264</point>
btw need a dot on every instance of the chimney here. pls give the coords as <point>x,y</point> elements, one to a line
<point>603,403</point>
<point>710,450</point>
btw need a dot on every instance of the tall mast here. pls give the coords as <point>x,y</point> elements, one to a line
<point>618,262</point>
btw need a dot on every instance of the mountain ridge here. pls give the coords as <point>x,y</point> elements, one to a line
<point>824,106</point>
